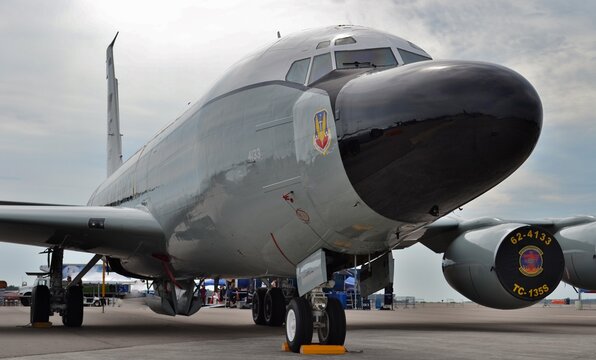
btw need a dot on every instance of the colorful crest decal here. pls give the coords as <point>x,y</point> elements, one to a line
<point>530,261</point>
<point>321,140</point>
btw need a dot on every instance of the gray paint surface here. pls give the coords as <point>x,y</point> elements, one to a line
<point>216,178</point>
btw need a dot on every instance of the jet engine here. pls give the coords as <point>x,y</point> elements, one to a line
<point>579,247</point>
<point>507,266</point>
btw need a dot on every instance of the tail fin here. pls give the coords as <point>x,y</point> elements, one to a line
<point>114,136</point>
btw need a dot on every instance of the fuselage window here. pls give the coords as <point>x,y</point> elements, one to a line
<point>409,57</point>
<point>321,65</point>
<point>298,71</point>
<point>355,59</point>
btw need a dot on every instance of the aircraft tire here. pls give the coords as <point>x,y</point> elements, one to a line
<point>334,331</point>
<point>258,302</point>
<point>299,326</point>
<point>40,304</point>
<point>74,307</point>
<point>274,309</point>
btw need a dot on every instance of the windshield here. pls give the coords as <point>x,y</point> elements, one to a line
<point>321,65</point>
<point>409,57</point>
<point>364,58</point>
<point>298,71</point>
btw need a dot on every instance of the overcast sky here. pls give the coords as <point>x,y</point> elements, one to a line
<point>53,92</point>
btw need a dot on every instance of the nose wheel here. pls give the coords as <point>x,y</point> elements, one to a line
<point>299,325</point>
<point>304,315</point>
<point>333,324</point>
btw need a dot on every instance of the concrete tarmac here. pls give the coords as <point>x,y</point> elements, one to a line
<point>437,331</point>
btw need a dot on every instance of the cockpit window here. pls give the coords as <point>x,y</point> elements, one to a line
<point>364,58</point>
<point>415,46</point>
<point>298,71</point>
<point>345,41</point>
<point>409,57</point>
<point>321,65</point>
<point>321,45</point>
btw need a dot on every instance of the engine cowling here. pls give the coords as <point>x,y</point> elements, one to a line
<point>579,248</point>
<point>507,266</point>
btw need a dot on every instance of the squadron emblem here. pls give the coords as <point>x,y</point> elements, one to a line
<point>321,139</point>
<point>530,261</point>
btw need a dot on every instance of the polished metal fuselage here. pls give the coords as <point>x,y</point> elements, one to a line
<point>237,183</point>
<point>263,172</point>
<point>239,189</point>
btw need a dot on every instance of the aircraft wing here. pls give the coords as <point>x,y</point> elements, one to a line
<point>118,232</point>
<point>438,235</point>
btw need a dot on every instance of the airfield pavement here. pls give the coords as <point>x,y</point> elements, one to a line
<point>430,331</point>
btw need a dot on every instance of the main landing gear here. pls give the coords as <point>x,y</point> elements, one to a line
<point>50,297</point>
<point>268,306</point>
<point>315,311</point>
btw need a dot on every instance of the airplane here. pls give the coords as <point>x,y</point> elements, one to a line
<point>323,151</point>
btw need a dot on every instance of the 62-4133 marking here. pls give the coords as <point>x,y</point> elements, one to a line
<point>531,234</point>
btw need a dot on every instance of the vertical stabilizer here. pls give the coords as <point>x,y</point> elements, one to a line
<point>114,136</point>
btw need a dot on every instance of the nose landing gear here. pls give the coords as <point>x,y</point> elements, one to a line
<point>315,311</point>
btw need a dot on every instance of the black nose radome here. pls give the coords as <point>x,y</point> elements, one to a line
<point>421,140</point>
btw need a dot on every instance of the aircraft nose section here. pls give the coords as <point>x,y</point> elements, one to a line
<point>418,141</point>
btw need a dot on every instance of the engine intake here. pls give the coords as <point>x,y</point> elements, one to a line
<point>507,266</point>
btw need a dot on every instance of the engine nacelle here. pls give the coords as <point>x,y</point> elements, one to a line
<point>508,266</point>
<point>579,247</point>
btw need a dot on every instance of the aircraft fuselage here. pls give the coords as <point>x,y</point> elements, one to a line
<point>264,171</point>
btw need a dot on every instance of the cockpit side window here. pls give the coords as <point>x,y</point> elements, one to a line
<point>355,59</point>
<point>321,65</point>
<point>322,44</point>
<point>409,57</point>
<point>298,71</point>
<point>345,41</point>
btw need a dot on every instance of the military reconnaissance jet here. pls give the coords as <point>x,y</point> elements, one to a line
<point>325,150</point>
